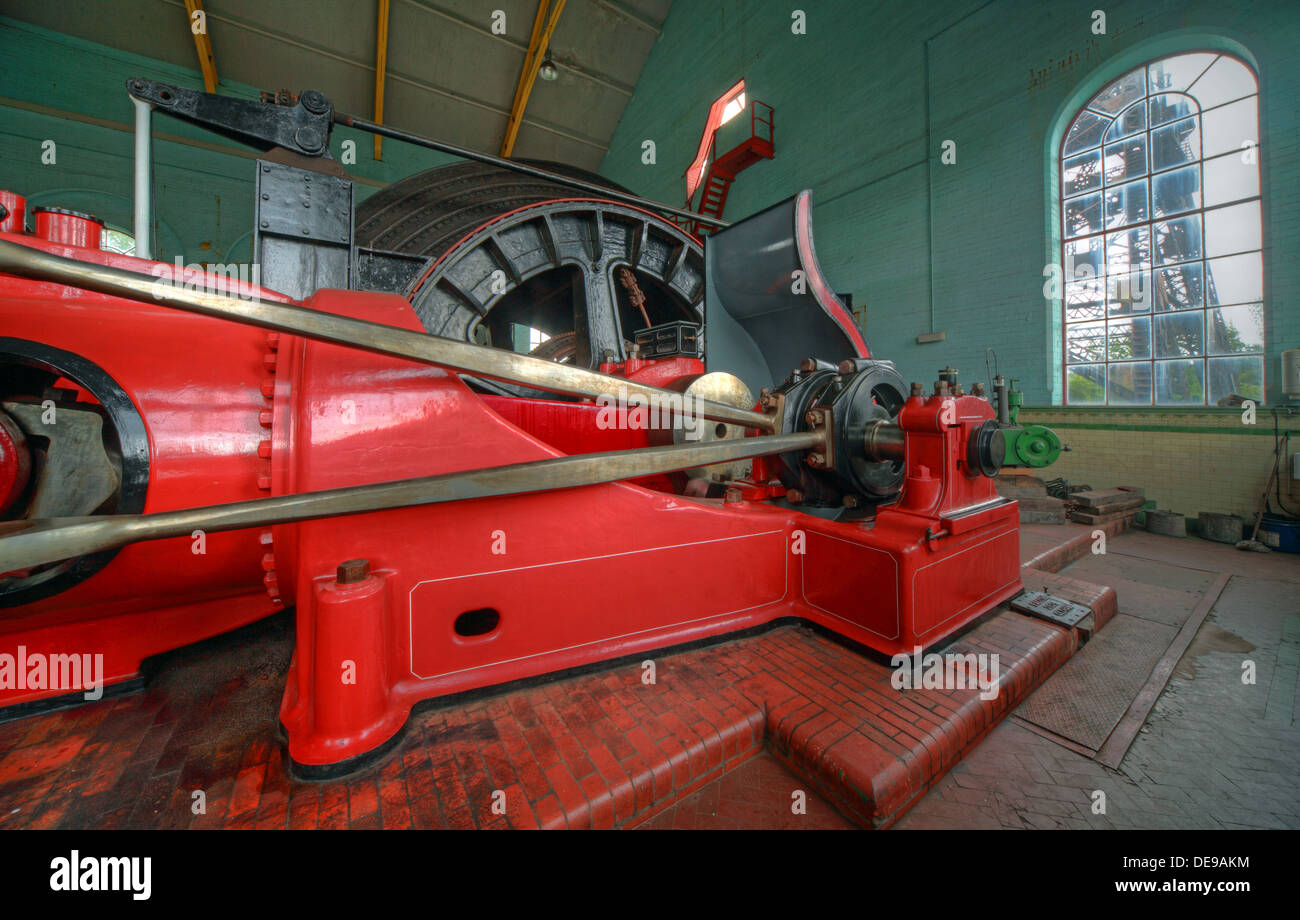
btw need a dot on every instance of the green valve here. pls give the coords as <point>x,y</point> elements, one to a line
<point>1032,446</point>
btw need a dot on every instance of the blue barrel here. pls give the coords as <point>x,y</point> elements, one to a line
<point>1283,533</point>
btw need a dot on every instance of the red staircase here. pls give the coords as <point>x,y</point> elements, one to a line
<point>722,170</point>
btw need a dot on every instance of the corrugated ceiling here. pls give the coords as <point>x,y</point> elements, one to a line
<point>449,76</point>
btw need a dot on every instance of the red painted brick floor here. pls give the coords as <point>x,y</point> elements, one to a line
<point>198,747</point>
<point>759,794</point>
<point>598,750</point>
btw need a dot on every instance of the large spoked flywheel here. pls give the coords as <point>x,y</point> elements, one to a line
<point>508,252</point>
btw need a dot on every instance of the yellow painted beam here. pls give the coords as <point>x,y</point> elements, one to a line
<point>537,45</point>
<point>207,63</point>
<point>539,26</point>
<point>381,68</point>
<point>534,42</point>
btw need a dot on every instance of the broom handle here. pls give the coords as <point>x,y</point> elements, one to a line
<point>1263,499</point>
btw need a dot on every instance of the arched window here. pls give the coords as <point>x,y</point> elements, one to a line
<point>1161,238</point>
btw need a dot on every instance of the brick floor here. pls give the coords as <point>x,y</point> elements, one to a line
<point>597,750</point>
<point>760,793</point>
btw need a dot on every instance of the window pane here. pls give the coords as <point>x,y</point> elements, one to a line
<point>1128,251</point>
<point>1126,204</point>
<point>1178,288</point>
<point>1085,342</point>
<point>1085,385</point>
<point>1180,383</point>
<point>118,241</point>
<point>1235,330</point>
<point>1230,178</point>
<point>1083,300</point>
<point>1126,160</point>
<point>1083,259</point>
<point>1178,240</point>
<point>1232,229</point>
<point>1129,384</point>
<point>1081,173</point>
<point>1127,339</point>
<point>1225,130</point>
<point>1127,89</point>
<point>1226,79</point>
<point>1176,192</point>
<point>1176,335</point>
<point>1177,73</point>
<point>1085,132</point>
<point>1176,144</point>
<point>1132,120</point>
<point>1235,279</point>
<point>1172,107</point>
<point>1083,215</point>
<point>1242,376</point>
<point>1129,293</point>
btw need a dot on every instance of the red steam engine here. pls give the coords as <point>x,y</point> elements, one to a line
<point>182,453</point>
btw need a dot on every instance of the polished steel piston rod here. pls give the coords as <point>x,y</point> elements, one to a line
<point>24,544</point>
<point>295,319</point>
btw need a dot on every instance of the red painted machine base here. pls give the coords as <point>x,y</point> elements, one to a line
<point>746,565</point>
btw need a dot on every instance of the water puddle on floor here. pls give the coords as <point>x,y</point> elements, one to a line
<point>1209,638</point>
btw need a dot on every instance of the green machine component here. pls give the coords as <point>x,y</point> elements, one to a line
<point>1033,446</point>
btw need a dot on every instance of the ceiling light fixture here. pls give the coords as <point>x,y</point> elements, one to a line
<point>548,71</point>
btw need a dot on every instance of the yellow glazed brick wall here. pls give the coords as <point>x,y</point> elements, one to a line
<point>1184,471</point>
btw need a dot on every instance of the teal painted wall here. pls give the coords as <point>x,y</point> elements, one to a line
<point>864,101</point>
<point>59,88</point>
